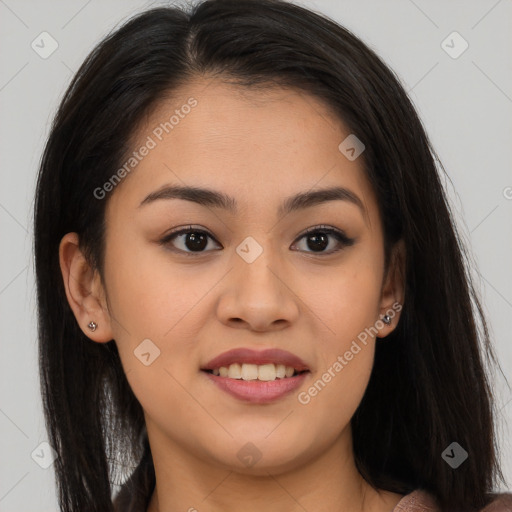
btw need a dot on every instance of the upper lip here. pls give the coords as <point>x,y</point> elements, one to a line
<point>259,357</point>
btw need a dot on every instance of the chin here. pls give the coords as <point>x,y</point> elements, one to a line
<point>261,456</point>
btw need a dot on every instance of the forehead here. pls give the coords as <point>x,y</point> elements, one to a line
<point>256,145</point>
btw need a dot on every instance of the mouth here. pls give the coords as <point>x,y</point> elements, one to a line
<point>257,377</point>
<point>265,372</point>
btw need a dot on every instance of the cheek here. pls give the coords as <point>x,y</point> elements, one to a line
<point>348,308</point>
<point>148,294</point>
<point>156,324</point>
<point>332,396</point>
<point>345,299</point>
<point>154,318</point>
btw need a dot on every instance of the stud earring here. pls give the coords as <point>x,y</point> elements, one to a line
<point>92,326</point>
<point>386,319</point>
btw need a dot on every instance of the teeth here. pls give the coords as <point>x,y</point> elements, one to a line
<point>249,372</point>
<point>235,371</point>
<point>264,372</point>
<point>267,372</point>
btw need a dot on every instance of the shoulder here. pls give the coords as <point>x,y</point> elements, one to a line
<point>422,501</point>
<point>417,501</point>
<point>500,503</point>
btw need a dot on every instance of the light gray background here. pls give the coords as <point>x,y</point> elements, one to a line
<point>465,103</point>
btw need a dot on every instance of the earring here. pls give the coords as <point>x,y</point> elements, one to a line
<point>386,319</point>
<point>92,326</point>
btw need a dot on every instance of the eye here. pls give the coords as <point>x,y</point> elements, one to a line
<point>317,239</point>
<point>194,240</point>
<point>191,240</point>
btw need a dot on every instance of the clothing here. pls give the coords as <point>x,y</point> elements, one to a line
<point>417,501</point>
<point>421,501</point>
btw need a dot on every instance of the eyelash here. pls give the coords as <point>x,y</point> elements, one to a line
<point>328,230</point>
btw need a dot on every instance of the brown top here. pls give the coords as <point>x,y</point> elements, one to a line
<point>421,501</point>
<point>417,501</point>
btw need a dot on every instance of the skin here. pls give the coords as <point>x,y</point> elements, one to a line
<point>259,147</point>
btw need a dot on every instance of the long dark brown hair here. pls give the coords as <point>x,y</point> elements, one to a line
<point>429,385</point>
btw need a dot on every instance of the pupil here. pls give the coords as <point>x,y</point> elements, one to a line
<point>316,240</point>
<point>197,241</point>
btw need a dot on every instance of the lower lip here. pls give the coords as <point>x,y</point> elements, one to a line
<point>257,391</point>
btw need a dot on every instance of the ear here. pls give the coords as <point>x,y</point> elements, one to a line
<point>84,290</point>
<point>393,289</point>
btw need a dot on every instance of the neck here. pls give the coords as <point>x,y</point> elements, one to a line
<point>329,481</point>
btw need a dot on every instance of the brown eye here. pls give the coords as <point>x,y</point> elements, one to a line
<point>188,240</point>
<point>192,240</point>
<point>318,239</point>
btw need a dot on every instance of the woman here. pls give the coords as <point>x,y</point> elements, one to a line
<point>252,294</point>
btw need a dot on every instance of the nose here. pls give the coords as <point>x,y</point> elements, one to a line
<point>258,296</point>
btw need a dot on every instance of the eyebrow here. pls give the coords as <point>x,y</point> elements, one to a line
<point>215,199</point>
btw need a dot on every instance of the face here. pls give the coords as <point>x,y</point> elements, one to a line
<point>188,279</point>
